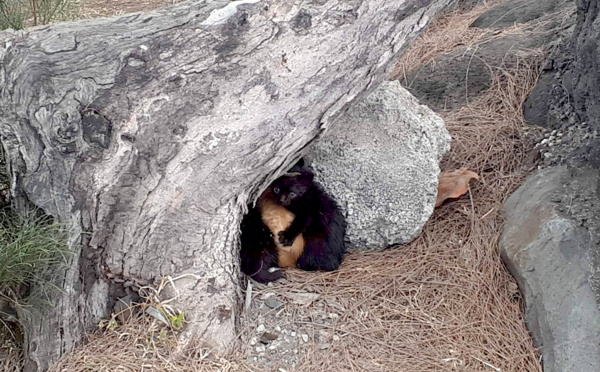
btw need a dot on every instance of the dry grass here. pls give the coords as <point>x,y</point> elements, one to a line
<point>142,344</point>
<point>445,34</point>
<point>143,337</point>
<point>452,32</point>
<point>10,354</point>
<point>445,302</point>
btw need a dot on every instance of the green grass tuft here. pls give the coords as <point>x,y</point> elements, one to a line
<point>18,14</point>
<point>14,14</point>
<point>33,250</point>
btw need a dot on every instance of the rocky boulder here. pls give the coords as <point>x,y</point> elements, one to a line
<point>457,78</point>
<point>554,258</point>
<point>566,99</point>
<point>586,76</point>
<point>568,91</point>
<point>381,162</point>
<point>551,241</point>
<point>454,79</point>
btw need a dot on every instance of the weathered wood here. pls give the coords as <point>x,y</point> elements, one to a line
<point>150,132</point>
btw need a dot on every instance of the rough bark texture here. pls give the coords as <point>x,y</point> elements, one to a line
<point>151,132</point>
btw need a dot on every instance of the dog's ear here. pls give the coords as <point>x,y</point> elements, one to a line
<point>306,175</point>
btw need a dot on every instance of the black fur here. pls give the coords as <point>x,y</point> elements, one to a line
<point>258,252</point>
<point>318,219</point>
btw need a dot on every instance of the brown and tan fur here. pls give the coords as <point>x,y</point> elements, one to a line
<point>277,218</point>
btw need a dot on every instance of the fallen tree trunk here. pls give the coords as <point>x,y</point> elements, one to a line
<point>150,133</point>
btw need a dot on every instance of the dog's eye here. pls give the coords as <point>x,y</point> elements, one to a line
<point>276,190</point>
<point>292,194</point>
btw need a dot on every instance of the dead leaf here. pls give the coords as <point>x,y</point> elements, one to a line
<point>267,337</point>
<point>123,309</point>
<point>158,315</point>
<point>454,184</point>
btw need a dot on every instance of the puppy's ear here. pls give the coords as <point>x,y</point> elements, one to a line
<point>306,175</point>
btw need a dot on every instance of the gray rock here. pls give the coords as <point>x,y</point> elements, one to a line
<point>450,80</point>
<point>567,95</point>
<point>586,76</point>
<point>261,349</point>
<point>268,337</point>
<point>552,258</point>
<point>509,13</point>
<point>454,79</point>
<point>380,161</point>
<point>537,104</point>
<point>273,302</point>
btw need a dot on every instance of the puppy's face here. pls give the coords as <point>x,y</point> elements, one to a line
<point>290,189</point>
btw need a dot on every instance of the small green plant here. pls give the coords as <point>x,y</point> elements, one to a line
<point>46,11</point>
<point>108,324</point>
<point>18,14</point>
<point>177,321</point>
<point>33,249</point>
<point>13,14</point>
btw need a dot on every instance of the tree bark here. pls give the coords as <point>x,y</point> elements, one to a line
<point>150,133</point>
